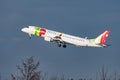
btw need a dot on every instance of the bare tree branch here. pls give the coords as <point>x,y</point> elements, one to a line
<point>29,70</point>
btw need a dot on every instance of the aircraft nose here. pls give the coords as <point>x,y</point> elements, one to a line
<point>24,30</point>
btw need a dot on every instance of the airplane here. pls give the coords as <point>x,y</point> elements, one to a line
<point>63,39</point>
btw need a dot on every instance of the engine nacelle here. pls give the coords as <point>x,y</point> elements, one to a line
<point>47,39</point>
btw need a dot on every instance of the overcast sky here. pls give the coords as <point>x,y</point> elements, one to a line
<point>77,17</point>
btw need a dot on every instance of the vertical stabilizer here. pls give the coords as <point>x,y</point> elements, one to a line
<point>101,39</point>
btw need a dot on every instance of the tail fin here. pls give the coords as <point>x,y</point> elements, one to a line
<point>101,39</point>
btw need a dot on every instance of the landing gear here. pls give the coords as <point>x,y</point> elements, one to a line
<point>30,35</point>
<point>59,45</point>
<point>64,46</point>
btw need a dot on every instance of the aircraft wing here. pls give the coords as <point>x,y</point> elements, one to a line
<point>56,39</point>
<point>59,41</point>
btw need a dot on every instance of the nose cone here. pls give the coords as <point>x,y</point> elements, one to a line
<point>25,30</point>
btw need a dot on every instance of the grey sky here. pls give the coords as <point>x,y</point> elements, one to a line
<point>77,17</point>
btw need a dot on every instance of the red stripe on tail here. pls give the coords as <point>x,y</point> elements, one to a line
<point>104,37</point>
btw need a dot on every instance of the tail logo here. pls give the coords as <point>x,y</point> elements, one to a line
<point>104,37</point>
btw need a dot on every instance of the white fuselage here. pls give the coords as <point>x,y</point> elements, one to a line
<point>66,38</point>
